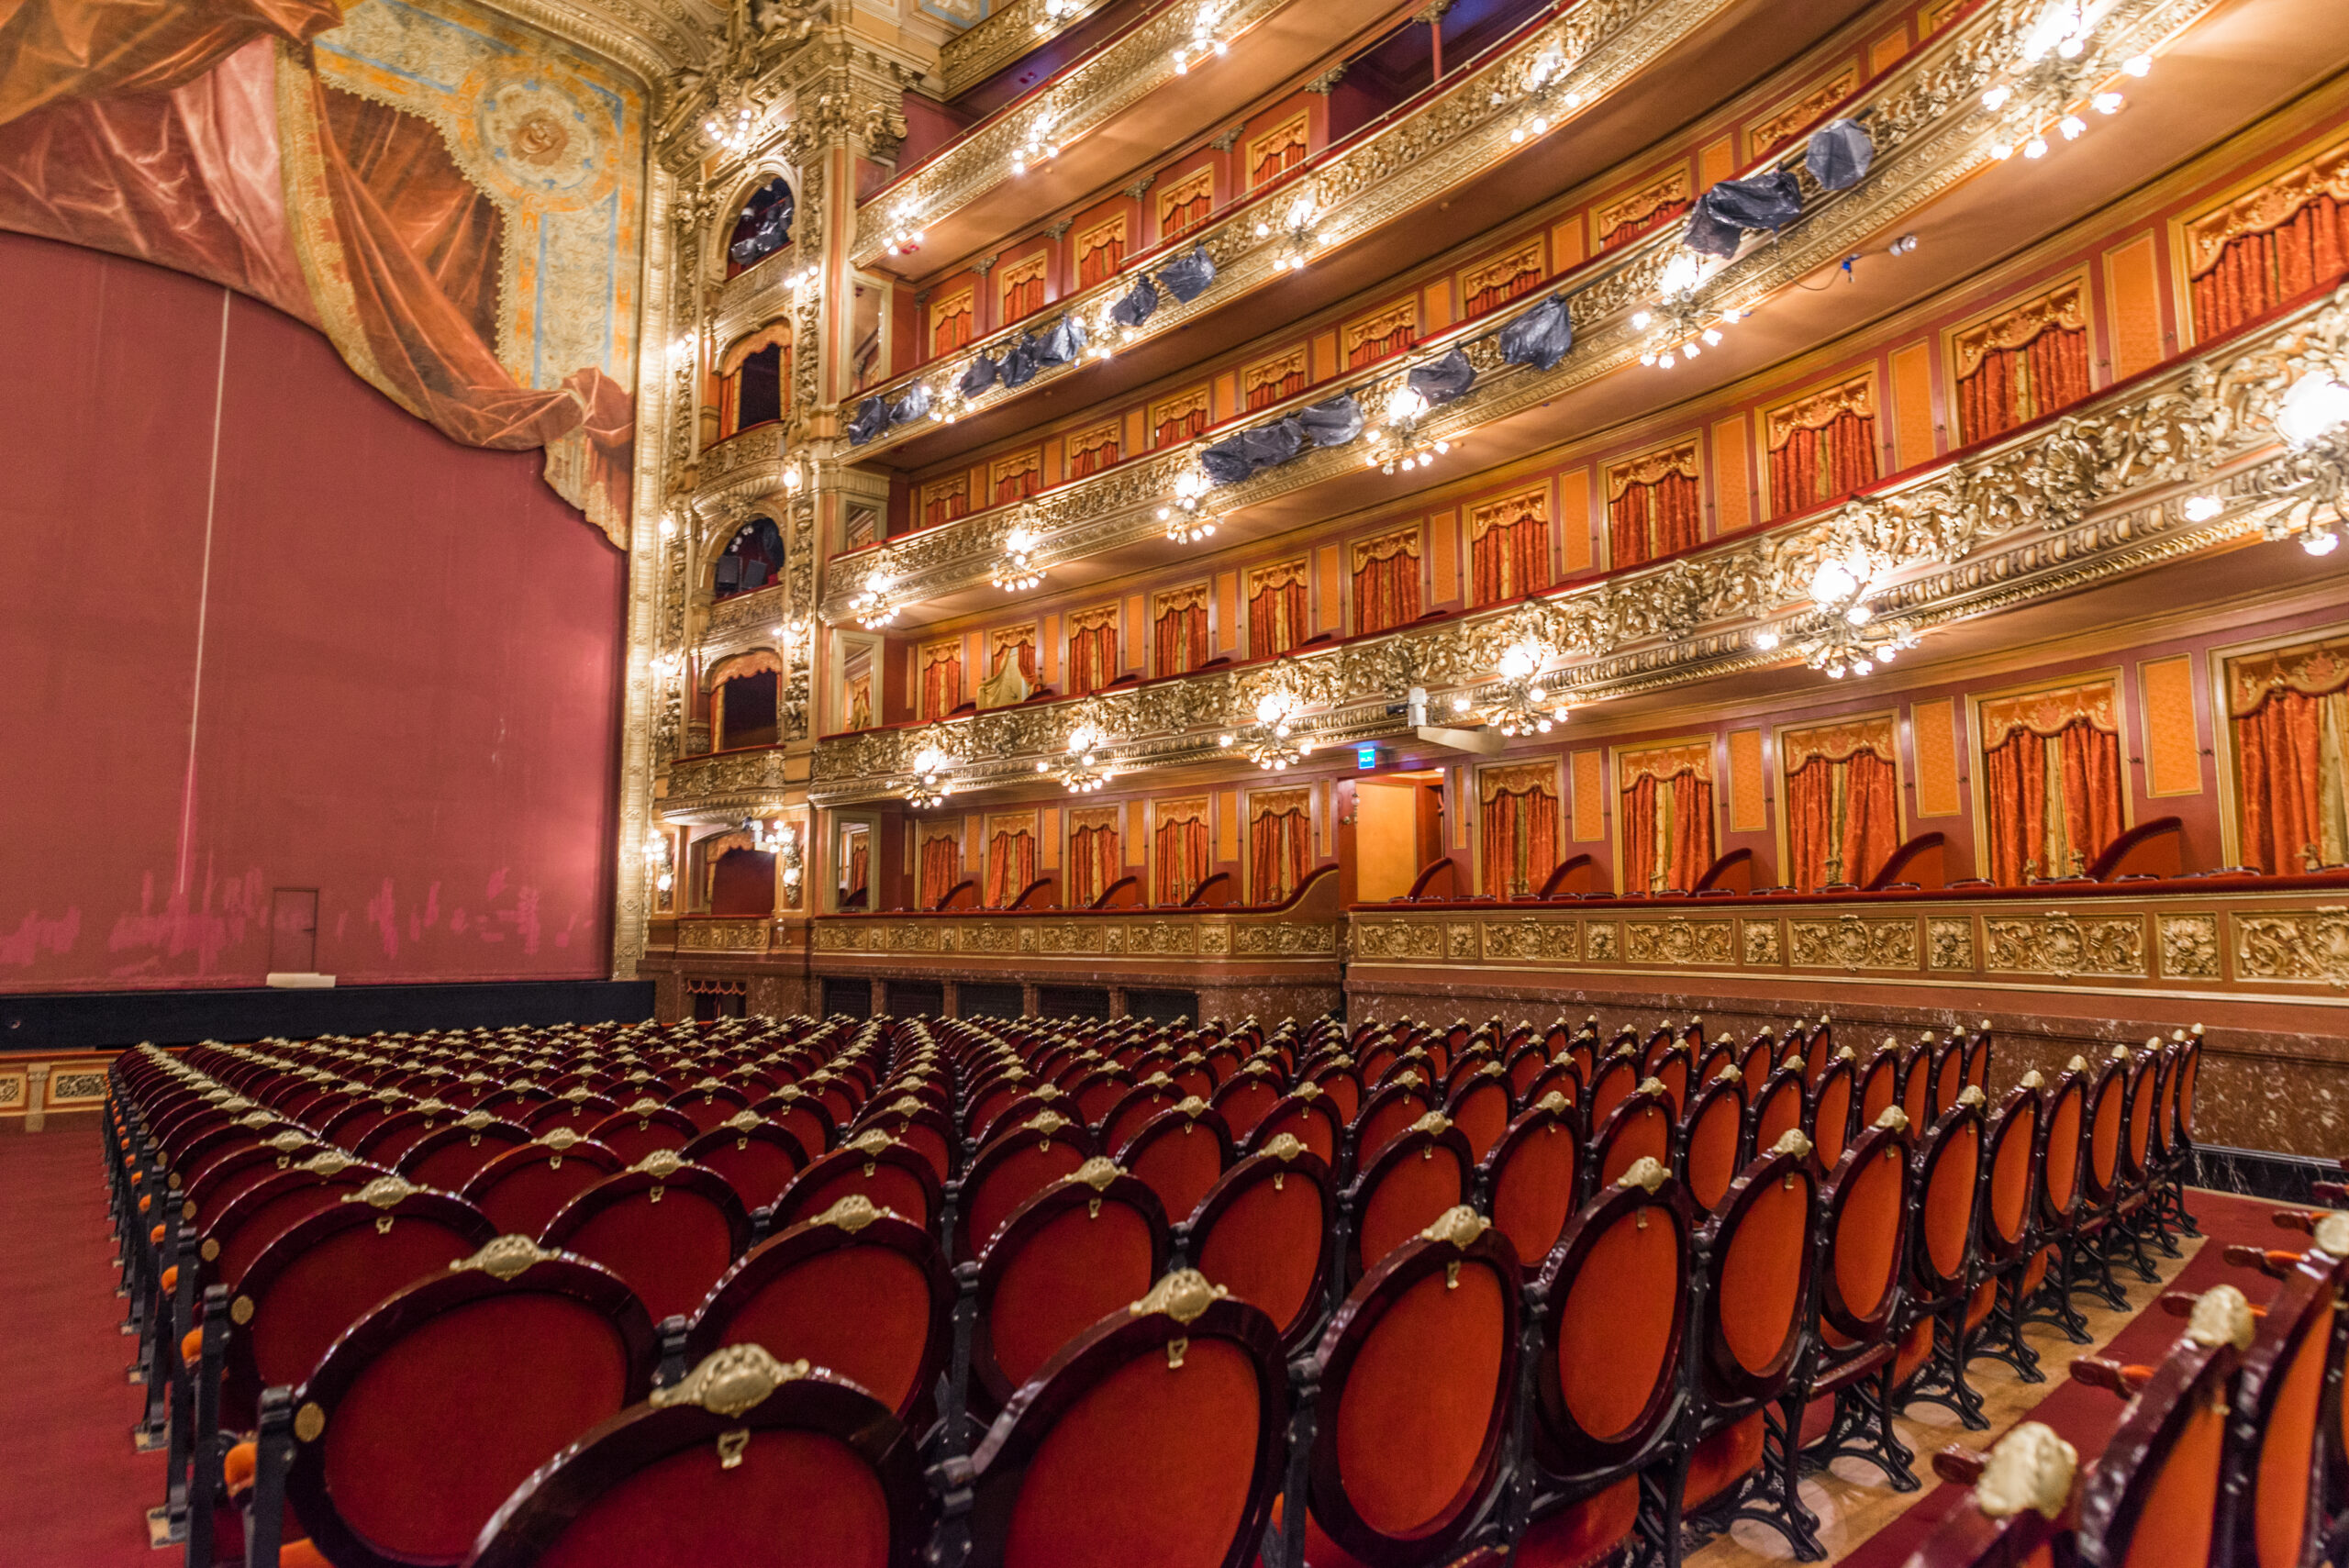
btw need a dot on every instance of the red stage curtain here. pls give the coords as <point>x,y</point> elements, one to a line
<point>1182,636</point>
<point>1093,864</point>
<point>2256,273</point>
<point>1823,464</point>
<point>1093,656</point>
<point>2014,386</point>
<point>2053,802</point>
<point>1276,617</point>
<point>1280,852</point>
<point>2291,760</point>
<point>1667,833</point>
<point>1180,859</point>
<point>1624,233</point>
<point>1845,806</point>
<point>941,869</point>
<point>948,333</point>
<point>1518,847</point>
<point>1387,584</point>
<point>1510,560</point>
<point>1650,521</point>
<point>1011,866</point>
<point>942,683</point>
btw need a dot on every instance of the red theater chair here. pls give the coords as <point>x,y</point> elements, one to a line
<point>1842,1399</point>
<point>668,1228</point>
<point>872,1163</point>
<point>1417,1178</point>
<point>756,1158</point>
<point>1265,1232</point>
<point>1014,1165</point>
<point>1180,1153</point>
<point>1532,1178</point>
<point>522,1189</point>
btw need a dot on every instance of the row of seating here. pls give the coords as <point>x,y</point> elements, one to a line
<point>853,1233</point>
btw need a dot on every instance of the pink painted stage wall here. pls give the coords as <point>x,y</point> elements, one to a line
<point>395,679</point>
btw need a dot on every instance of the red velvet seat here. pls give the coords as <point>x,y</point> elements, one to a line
<point>1942,1253</point>
<point>428,1413</point>
<point>1248,1099</point>
<point>1641,1127</point>
<point>1077,1250</point>
<point>1153,1437</point>
<point>1386,1113</point>
<point>859,1292</point>
<point>1418,1374</point>
<point>1014,1165</point>
<point>450,1156</point>
<point>1154,1095</point>
<point>803,1115</point>
<point>265,1210</point>
<point>577,1110</point>
<point>757,1157</point>
<point>872,1163</point>
<point>1712,1147</point>
<point>2153,1495</point>
<point>667,1228</point>
<point>1829,1107</point>
<point>643,1127</point>
<point>1415,1180</point>
<point>1478,1104</point>
<point>708,1104</point>
<point>1864,1214</point>
<point>1180,1154</point>
<point>523,1189</point>
<point>751,1458</point>
<point>920,1125</point>
<point>1533,1176</point>
<point>1307,1114</point>
<point>1264,1232</point>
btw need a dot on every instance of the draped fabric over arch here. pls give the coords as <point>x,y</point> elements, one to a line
<point>1181,851</point>
<point>2289,710</point>
<point>1508,547</point>
<point>1018,477</point>
<point>204,137</point>
<point>2050,787</point>
<point>1822,446</point>
<point>747,725</point>
<point>1179,628</point>
<point>1666,801</point>
<point>1516,847</point>
<point>2024,363</point>
<point>945,500</point>
<point>1011,859</point>
<point>1277,609</point>
<point>941,678</point>
<point>1096,855</point>
<point>1654,507</point>
<point>1387,581</point>
<point>1011,667</point>
<point>940,864</point>
<point>1280,843</point>
<point>1502,279</point>
<point>1092,650</point>
<point>1841,803</point>
<point>734,413</point>
<point>1090,451</point>
<point>2288,237</point>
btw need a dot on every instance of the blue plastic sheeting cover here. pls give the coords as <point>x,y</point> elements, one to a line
<point>1188,277</point>
<point>1769,200</point>
<point>1441,381</point>
<point>1839,154</point>
<point>1333,424</point>
<point>872,416</point>
<point>1539,337</point>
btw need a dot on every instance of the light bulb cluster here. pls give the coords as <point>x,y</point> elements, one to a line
<point>1300,239</point>
<point>1203,41</point>
<point>905,234</point>
<point>1087,768</point>
<point>1522,704</point>
<point>929,786</point>
<point>1017,570</point>
<point>657,859</point>
<point>2312,483</point>
<point>873,606</point>
<point>1399,446</point>
<point>1269,742</point>
<point>1849,641</point>
<point>2057,73</point>
<point>1678,327</point>
<point>1187,517</point>
<point>1542,100</point>
<point>1041,146</point>
<point>1056,14</point>
<point>732,133</point>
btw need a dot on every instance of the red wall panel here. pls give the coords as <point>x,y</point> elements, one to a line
<point>260,629</point>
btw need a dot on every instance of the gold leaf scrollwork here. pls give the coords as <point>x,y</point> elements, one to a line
<point>730,1380</point>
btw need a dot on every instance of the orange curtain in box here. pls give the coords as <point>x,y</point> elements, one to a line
<point>2290,711</point>
<point>1020,484</point>
<point>1180,858</point>
<point>1023,295</point>
<point>2014,386</point>
<point>950,328</point>
<point>1104,253</point>
<point>1277,609</point>
<point>944,505</point>
<point>1011,866</point>
<point>1667,826</point>
<point>1280,852</point>
<point>1093,654</point>
<point>1179,427</point>
<point>1179,216</point>
<point>1502,285</point>
<point>1182,635</point>
<point>941,869</point>
<point>1811,465</point>
<point>1094,864</point>
<point>1518,848</point>
<point>1277,159</point>
<point>1632,229</point>
<point>2259,269</point>
<point>1646,521</point>
<point>942,680</point>
<point>1087,461</point>
<point>2052,791</point>
<point>1272,389</point>
<point>1509,554</point>
<point>1387,583</point>
<point>860,866</point>
<point>1396,338</point>
<point>1020,643</point>
<point>1843,822</point>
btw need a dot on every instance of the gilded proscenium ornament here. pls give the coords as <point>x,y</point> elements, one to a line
<point>1929,134</point>
<point>2094,495</point>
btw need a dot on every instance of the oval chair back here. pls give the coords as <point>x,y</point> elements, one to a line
<point>1337,1079</point>
<point>1307,1114</point>
<point>1948,1168</point>
<point>1155,1436</point>
<point>320,1275</point>
<point>1418,1373</point>
<point>1757,1061</point>
<point>874,1164</point>
<point>1713,1134</point>
<point>2163,1469</point>
<point>2009,1140</point>
<point>2106,1120</point>
<point>1387,1114</point>
<point>1863,1222</point>
<point>1248,1099</point>
<point>1817,1050</point>
<point>1560,1077</point>
<point>2063,1144</point>
<point>1076,1251</point>
<point>2269,1518</point>
<point>803,1117</point>
<point>1479,1105</point>
<point>1416,1179</point>
<point>1041,1100</point>
<point>667,1228</point>
<point>1265,1232</point>
<point>644,1127</point>
<point>1779,1109</point>
<point>270,1207</point>
<point>708,1105</point>
<point>448,1157</point>
<point>801,1456</point>
<point>575,1113</point>
<point>1674,1069</point>
<point>1754,1299</point>
<point>1153,1097</point>
<point>1947,1059</point>
<point>1532,1179</point>
<point>1524,1064</point>
<point>1642,1127</point>
<point>426,1415</point>
<point>1710,1060</point>
<point>1180,1153</point>
<point>523,1189</point>
<point>919,1126</point>
<point>756,1158</point>
<point>1611,1084</point>
<point>1879,1084</point>
<point>1012,1166</point>
<point>855,1290</point>
<point>1097,1091</point>
<point>1827,1113</point>
<point>2186,1076</point>
<point>2137,1160</point>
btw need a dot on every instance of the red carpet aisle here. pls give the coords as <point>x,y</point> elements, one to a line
<point>2086,1417</point>
<point>73,1495</point>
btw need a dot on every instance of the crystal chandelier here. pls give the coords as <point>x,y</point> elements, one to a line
<point>657,858</point>
<point>1677,326</point>
<point>1849,640</point>
<point>1040,145</point>
<point>1522,704</point>
<point>1056,13</point>
<point>1187,518</point>
<point>1540,100</point>
<point>1397,444</point>
<point>2312,483</point>
<point>929,786</point>
<point>1087,768</point>
<point>1300,239</point>
<point>1017,570</point>
<point>733,133</point>
<point>2058,69</point>
<point>905,230</point>
<point>874,609</point>
<point>1267,742</point>
<point>1203,40</point>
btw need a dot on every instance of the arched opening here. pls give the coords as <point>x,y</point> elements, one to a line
<point>742,883</point>
<point>754,381</point>
<point>751,559</point>
<point>742,701</point>
<point>762,228</point>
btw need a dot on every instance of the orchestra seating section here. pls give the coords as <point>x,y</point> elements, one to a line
<point>1063,1293</point>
